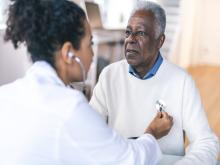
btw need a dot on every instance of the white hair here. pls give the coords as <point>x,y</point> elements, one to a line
<point>157,10</point>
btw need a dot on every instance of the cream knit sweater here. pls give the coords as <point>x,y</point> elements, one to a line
<point>128,104</point>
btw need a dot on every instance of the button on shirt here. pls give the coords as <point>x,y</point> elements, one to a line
<point>151,72</point>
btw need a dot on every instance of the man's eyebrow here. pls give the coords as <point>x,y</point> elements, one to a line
<point>136,27</point>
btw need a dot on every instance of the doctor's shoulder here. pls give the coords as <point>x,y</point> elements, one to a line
<point>63,96</point>
<point>70,95</point>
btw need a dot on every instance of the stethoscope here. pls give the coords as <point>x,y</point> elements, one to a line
<point>82,68</point>
<point>160,105</point>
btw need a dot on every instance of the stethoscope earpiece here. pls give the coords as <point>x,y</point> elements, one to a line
<point>70,55</point>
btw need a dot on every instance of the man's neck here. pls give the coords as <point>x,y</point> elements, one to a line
<point>142,70</point>
<point>145,68</point>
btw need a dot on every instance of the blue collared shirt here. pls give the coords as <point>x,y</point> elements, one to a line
<point>151,72</point>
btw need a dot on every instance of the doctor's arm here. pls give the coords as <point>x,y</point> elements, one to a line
<point>204,144</point>
<point>87,133</point>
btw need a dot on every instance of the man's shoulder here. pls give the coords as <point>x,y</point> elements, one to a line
<point>174,73</point>
<point>115,67</point>
<point>173,69</point>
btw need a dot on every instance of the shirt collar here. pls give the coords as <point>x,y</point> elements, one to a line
<point>151,72</point>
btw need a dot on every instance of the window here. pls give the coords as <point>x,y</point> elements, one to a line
<point>115,13</point>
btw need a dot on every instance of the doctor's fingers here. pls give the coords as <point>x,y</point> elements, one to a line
<point>170,118</point>
<point>166,116</point>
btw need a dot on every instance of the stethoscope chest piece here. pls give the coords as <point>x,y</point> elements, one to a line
<point>160,105</point>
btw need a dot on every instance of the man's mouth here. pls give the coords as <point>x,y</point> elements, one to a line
<point>131,53</point>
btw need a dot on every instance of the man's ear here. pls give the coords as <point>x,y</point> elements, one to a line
<point>67,48</point>
<point>161,41</point>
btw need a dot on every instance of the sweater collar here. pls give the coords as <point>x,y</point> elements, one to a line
<point>151,72</point>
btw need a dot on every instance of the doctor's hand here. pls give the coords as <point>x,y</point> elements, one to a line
<point>161,125</point>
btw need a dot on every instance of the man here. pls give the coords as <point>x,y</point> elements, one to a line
<point>128,90</point>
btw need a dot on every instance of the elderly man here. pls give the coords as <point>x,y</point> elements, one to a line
<point>128,90</point>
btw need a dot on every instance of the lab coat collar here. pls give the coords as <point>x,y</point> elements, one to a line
<point>45,72</point>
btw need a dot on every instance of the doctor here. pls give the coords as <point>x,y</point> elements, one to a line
<point>43,120</point>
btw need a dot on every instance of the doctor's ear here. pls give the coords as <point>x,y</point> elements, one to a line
<point>67,52</point>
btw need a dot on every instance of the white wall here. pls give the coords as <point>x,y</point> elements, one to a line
<point>13,63</point>
<point>199,37</point>
<point>3,13</point>
<point>207,50</point>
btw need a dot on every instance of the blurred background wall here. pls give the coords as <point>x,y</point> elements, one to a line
<point>199,36</point>
<point>13,63</point>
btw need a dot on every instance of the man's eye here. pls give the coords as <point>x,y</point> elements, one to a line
<point>127,33</point>
<point>140,33</point>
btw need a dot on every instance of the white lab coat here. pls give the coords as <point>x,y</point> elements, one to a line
<point>44,122</point>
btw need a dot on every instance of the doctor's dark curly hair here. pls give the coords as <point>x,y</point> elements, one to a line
<point>44,26</point>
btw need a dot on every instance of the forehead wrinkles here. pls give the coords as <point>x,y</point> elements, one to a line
<point>143,18</point>
<point>136,22</point>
